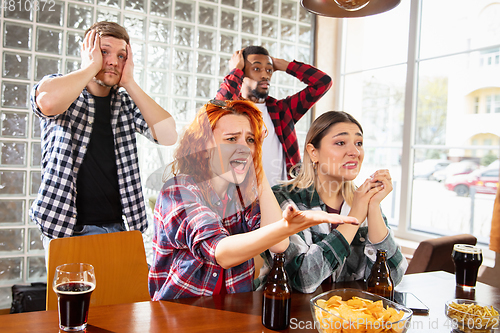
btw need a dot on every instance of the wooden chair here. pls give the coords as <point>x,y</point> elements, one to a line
<point>119,261</point>
<point>435,254</point>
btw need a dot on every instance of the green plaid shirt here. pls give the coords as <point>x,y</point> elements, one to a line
<point>321,251</point>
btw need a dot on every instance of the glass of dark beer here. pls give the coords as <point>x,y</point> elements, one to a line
<point>467,259</point>
<point>73,284</point>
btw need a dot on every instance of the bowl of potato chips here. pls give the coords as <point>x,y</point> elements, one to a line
<point>470,316</point>
<point>353,310</point>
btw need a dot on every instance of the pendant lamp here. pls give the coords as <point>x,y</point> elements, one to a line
<point>348,8</point>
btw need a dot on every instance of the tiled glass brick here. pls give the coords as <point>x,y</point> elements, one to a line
<point>48,40</point>
<point>305,36</point>
<point>5,297</point>
<point>183,35</point>
<point>234,3</point>
<point>35,240</point>
<point>36,180</point>
<point>36,131</point>
<point>139,74</point>
<point>15,95</point>
<point>248,41</point>
<point>74,42</point>
<point>223,66</point>
<point>135,5</point>
<point>158,56</point>
<point>207,15</point>
<point>181,85</point>
<point>45,66</point>
<point>51,12</point>
<point>250,24</point>
<point>252,5</point>
<point>87,1</point>
<point>107,15</point>
<point>270,7</point>
<point>289,9</point>
<point>269,28</point>
<point>11,212</point>
<point>36,154</point>
<point>157,82</point>
<point>184,11</point>
<point>37,272</point>
<point>12,182</point>
<point>183,60</point>
<point>304,54</point>
<point>288,32</point>
<point>136,26</point>
<point>138,53</point>
<point>287,51</point>
<point>203,88</point>
<point>160,7</point>
<point>228,43</point>
<point>16,11</point>
<point>159,31</point>
<point>304,15</point>
<point>14,124</point>
<point>11,241</point>
<point>207,40</point>
<point>182,109</point>
<point>16,65</point>
<point>205,64</point>
<point>11,270</point>
<point>228,20</point>
<point>80,17</point>
<point>72,65</point>
<point>283,78</point>
<point>110,3</point>
<point>271,46</point>
<point>17,36</point>
<point>12,153</point>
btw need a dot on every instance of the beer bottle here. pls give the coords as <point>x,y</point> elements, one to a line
<point>277,296</point>
<point>380,282</point>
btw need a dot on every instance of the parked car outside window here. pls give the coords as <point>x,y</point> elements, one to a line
<point>484,180</point>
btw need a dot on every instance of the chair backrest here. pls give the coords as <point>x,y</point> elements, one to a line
<point>435,254</point>
<point>119,261</point>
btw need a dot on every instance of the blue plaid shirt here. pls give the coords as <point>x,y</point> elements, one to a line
<point>64,143</point>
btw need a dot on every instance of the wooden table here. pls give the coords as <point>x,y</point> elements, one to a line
<point>239,313</point>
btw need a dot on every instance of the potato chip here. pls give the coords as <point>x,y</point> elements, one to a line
<point>357,315</point>
<point>473,316</point>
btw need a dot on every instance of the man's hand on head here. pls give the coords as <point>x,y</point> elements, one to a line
<point>279,64</point>
<point>128,69</point>
<point>91,52</point>
<point>237,60</point>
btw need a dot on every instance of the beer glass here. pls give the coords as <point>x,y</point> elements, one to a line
<point>74,284</point>
<point>467,259</point>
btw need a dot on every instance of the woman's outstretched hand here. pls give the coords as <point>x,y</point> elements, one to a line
<point>303,219</point>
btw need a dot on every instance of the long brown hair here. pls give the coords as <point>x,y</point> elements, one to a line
<point>190,157</point>
<point>319,128</point>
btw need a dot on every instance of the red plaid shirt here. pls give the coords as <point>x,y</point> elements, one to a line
<point>186,233</point>
<point>285,112</point>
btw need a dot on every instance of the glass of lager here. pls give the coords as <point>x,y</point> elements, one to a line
<point>467,259</point>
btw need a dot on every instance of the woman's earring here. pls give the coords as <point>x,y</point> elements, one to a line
<point>315,165</point>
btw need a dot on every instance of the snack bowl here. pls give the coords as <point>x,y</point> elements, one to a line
<point>352,316</point>
<point>468,316</point>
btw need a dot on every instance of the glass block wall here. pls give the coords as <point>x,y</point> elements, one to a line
<point>181,50</point>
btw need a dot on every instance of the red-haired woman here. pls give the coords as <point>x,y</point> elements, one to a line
<point>218,211</point>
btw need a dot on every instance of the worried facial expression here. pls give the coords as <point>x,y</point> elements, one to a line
<point>231,154</point>
<point>114,56</point>
<point>340,153</point>
<point>258,72</point>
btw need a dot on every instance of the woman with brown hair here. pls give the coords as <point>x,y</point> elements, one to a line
<point>332,160</point>
<point>218,211</point>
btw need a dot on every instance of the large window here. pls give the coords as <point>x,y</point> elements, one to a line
<point>425,86</point>
<point>181,50</point>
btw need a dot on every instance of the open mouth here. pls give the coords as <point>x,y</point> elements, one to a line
<point>351,165</point>
<point>239,165</point>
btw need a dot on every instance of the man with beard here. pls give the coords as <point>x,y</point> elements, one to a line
<point>249,78</point>
<point>90,171</point>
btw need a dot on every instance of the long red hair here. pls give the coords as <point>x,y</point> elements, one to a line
<point>190,157</point>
